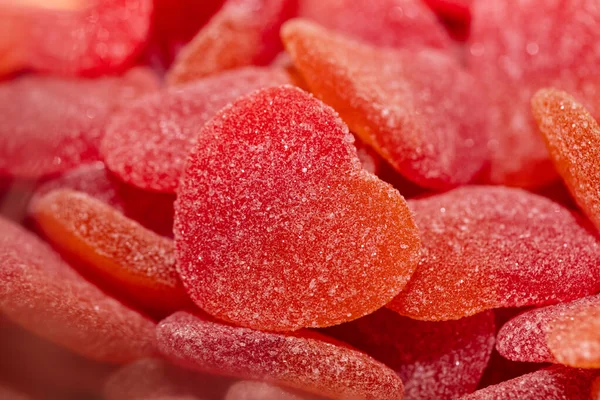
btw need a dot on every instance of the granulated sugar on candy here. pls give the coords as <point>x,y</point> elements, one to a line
<point>489,247</point>
<point>277,227</point>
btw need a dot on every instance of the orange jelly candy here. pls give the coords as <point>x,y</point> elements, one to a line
<point>42,293</point>
<point>418,109</point>
<point>490,247</point>
<point>133,259</point>
<point>241,33</point>
<point>277,226</point>
<point>572,136</point>
<point>304,363</point>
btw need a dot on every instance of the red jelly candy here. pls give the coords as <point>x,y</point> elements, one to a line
<point>595,390</point>
<point>153,379</point>
<point>516,49</point>
<point>572,136</point>
<point>152,210</point>
<point>8,393</point>
<point>252,390</point>
<point>46,296</point>
<point>168,122</point>
<point>91,39</point>
<point>390,23</point>
<point>554,383</point>
<point>407,105</point>
<point>243,32</point>
<point>277,227</point>
<point>134,260</point>
<point>49,125</point>
<point>303,363</point>
<point>435,360</point>
<point>493,247</point>
<point>566,333</point>
<point>456,14</point>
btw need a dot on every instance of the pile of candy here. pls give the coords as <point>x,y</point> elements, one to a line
<point>206,200</point>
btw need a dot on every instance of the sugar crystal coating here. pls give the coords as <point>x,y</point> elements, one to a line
<point>277,227</point>
<point>298,362</point>
<point>40,292</point>
<point>154,378</point>
<point>102,37</point>
<point>423,119</point>
<point>491,247</point>
<point>241,33</point>
<point>390,23</point>
<point>572,136</point>
<point>518,47</point>
<point>153,210</point>
<point>554,383</point>
<point>131,258</point>
<point>435,360</point>
<point>49,125</point>
<point>252,390</point>
<point>147,143</point>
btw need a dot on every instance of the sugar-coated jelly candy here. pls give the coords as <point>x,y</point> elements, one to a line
<point>418,109</point>
<point>154,378</point>
<point>595,395</point>
<point>435,360</point>
<point>147,143</point>
<point>566,333</point>
<point>277,226</point>
<point>49,125</point>
<point>241,33</point>
<point>489,247</point>
<point>92,38</point>
<point>572,137</point>
<point>40,292</point>
<point>391,23</point>
<point>152,210</point>
<point>517,48</point>
<point>253,390</point>
<point>369,159</point>
<point>554,383</point>
<point>132,259</point>
<point>456,15</point>
<point>303,363</point>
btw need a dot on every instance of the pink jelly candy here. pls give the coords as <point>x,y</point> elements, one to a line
<point>554,383</point>
<point>565,333</point>
<point>153,378</point>
<point>517,48</point>
<point>572,137</point>
<point>167,123</point>
<point>390,23</point>
<point>49,125</point>
<point>252,390</point>
<point>46,296</point>
<point>435,360</point>
<point>491,247</point>
<point>423,119</point>
<point>303,363</point>
<point>278,227</point>
<point>131,259</point>
<point>241,33</point>
<point>152,210</point>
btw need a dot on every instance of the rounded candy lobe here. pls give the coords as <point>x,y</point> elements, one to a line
<point>572,137</point>
<point>303,363</point>
<point>517,48</point>
<point>435,360</point>
<point>40,292</point>
<point>49,125</point>
<point>277,227</point>
<point>152,210</point>
<point>132,259</point>
<point>389,23</point>
<point>166,124</point>
<point>565,333</point>
<point>492,247</point>
<point>252,390</point>
<point>241,33</point>
<point>554,383</point>
<point>420,117</point>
